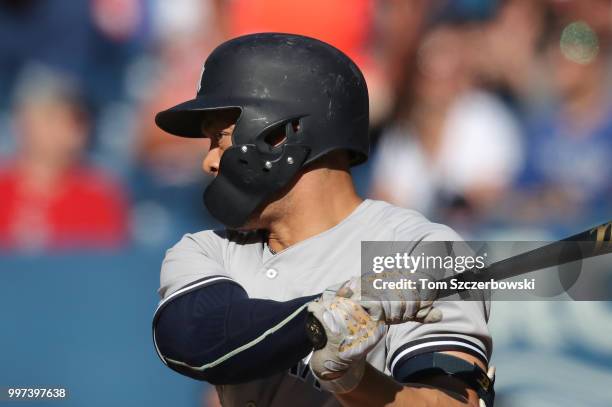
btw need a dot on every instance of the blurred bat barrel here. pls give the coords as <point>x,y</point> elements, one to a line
<point>596,241</point>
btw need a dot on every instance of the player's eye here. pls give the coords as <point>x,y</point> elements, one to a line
<point>225,136</point>
<point>215,136</point>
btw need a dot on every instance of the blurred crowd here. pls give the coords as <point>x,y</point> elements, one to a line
<point>490,115</point>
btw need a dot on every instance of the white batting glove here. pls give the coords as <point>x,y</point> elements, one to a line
<point>350,334</point>
<point>353,329</point>
<point>394,308</point>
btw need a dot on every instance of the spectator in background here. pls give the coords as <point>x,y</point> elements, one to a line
<point>50,198</point>
<point>567,182</point>
<point>399,26</point>
<point>456,148</point>
<point>506,60</point>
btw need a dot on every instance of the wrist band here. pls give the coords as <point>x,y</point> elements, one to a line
<point>345,383</point>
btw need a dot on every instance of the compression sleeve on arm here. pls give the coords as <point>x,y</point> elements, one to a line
<point>212,331</point>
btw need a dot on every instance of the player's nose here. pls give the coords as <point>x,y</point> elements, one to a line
<point>210,165</point>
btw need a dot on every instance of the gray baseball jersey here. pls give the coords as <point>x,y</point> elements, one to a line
<point>308,268</point>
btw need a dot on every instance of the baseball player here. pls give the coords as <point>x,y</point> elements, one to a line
<point>268,309</point>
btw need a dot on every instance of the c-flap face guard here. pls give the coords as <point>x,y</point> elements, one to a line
<point>248,177</point>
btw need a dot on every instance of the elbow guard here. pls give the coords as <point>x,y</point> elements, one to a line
<point>215,332</point>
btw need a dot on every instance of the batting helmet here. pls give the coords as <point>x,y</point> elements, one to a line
<point>301,85</point>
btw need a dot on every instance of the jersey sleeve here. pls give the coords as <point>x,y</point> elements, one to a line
<point>463,327</point>
<point>195,261</point>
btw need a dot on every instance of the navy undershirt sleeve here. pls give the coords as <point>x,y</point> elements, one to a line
<point>207,324</point>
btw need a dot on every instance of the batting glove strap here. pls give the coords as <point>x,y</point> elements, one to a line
<point>347,382</point>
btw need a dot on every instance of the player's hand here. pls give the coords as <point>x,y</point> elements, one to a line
<point>394,307</point>
<point>352,329</point>
<point>350,334</point>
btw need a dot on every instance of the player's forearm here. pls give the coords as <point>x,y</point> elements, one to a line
<point>378,389</point>
<point>218,334</point>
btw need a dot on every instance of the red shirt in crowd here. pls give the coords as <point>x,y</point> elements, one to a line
<point>84,209</point>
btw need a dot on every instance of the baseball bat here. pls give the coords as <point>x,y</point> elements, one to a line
<point>592,242</point>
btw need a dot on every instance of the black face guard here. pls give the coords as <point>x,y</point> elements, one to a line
<point>249,174</point>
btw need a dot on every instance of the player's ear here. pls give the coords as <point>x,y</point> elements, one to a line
<point>276,137</point>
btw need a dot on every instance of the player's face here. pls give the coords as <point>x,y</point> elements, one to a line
<point>219,130</point>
